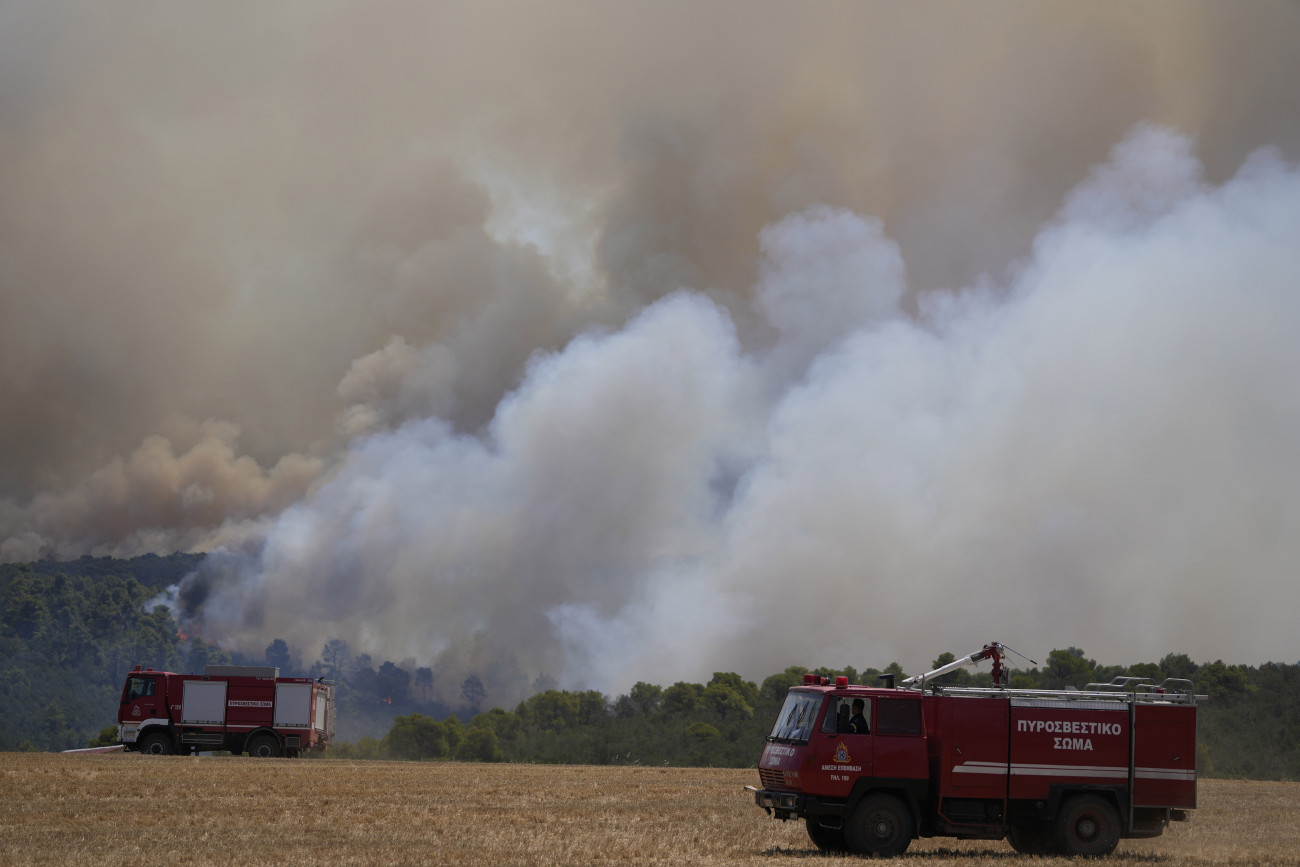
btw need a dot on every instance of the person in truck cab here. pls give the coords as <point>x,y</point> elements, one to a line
<point>857,722</point>
<point>140,688</point>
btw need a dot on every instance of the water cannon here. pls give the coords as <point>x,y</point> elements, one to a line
<point>993,650</point>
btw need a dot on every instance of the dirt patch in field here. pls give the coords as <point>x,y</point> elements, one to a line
<point>138,810</point>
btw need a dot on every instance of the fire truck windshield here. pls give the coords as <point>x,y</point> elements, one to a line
<point>139,687</point>
<point>795,722</point>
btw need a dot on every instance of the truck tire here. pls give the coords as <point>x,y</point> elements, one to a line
<point>157,744</point>
<point>1086,825</point>
<point>879,826</point>
<point>826,839</point>
<point>265,747</point>
<point>1030,837</point>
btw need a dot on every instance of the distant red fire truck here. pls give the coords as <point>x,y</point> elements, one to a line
<point>1054,771</point>
<point>228,707</point>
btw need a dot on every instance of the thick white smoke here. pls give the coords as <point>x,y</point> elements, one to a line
<point>613,342</point>
<point>1098,452</point>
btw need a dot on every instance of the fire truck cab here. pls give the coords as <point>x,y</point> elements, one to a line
<point>1054,771</point>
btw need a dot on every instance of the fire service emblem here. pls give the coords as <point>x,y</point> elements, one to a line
<point>842,754</point>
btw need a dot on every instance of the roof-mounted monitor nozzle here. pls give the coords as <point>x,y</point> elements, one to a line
<point>994,650</point>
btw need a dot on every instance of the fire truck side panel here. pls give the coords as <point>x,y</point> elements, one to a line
<point>203,702</point>
<point>972,734</point>
<point>1165,756</point>
<point>1052,744</point>
<point>293,705</point>
<point>249,703</point>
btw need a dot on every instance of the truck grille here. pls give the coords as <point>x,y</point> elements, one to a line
<point>773,779</point>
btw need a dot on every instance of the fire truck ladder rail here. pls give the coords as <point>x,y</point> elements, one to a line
<point>1171,689</point>
<point>1141,696</point>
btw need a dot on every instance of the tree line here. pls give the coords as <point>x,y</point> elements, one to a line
<point>69,632</point>
<point>1247,727</point>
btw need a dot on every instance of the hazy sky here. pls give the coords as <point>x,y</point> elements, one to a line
<point>619,341</point>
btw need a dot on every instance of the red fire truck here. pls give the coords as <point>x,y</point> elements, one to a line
<point>1054,771</point>
<point>228,707</point>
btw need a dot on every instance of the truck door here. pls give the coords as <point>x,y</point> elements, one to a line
<point>842,752</point>
<point>1165,756</point>
<point>973,748</point>
<point>142,699</point>
<point>899,735</point>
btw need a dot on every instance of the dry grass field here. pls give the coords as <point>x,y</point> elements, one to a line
<point>145,811</point>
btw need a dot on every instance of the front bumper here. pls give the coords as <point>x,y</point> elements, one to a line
<point>782,805</point>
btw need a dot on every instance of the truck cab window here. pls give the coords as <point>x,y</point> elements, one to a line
<point>140,687</point>
<point>898,717</point>
<point>847,715</point>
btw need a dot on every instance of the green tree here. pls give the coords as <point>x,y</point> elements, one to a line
<point>454,732</point>
<point>1178,665</point>
<point>776,686</point>
<point>509,728</point>
<point>479,745</point>
<point>1068,667</point>
<point>550,710</point>
<point>592,708</point>
<point>683,698</point>
<point>645,697</point>
<point>747,690</point>
<point>1225,684</point>
<point>107,737</point>
<point>702,731</point>
<point>416,736</point>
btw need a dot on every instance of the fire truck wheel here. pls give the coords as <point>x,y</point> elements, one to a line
<point>1030,837</point>
<point>264,747</point>
<point>157,744</point>
<point>1087,825</point>
<point>826,839</point>
<point>880,825</point>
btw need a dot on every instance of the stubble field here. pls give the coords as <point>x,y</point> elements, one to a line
<point>137,810</point>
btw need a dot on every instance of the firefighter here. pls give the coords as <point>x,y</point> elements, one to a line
<point>857,722</point>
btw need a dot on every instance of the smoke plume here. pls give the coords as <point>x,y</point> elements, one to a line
<point>615,343</point>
